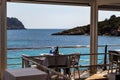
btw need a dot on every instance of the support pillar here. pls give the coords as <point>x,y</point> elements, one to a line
<point>94,35</point>
<point>3,36</point>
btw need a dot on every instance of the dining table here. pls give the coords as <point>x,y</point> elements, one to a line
<point>50,60</point>
<point>25,74</point>
<point>57,62</point>
<point>114,51</point>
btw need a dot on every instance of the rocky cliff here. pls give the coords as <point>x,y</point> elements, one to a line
<point>109,27</point>
<point>14,23</point>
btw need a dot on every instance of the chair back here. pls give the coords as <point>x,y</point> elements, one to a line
<point>74,59</point>
<point>114,56</point>
<point>114,61</point>
<point>58,60</point>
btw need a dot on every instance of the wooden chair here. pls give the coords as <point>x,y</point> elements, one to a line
<point>57,62</point>
<point>74,63</point>
<point>114,60</point>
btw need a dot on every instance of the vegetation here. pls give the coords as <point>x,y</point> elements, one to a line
<point>107,27</point>
<point>14,23</point>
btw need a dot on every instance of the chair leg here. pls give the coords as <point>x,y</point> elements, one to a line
<point>78,72</point>
<point>74,73</point>
<point>111,68</point>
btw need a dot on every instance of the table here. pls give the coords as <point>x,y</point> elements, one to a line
<point>57,62</point>
<point>25,74</point>
<point>115,51</point>
<point>113,76</point>
<point>60,60</point>
<point>114,55</point>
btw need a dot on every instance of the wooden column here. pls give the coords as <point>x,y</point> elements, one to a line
<point>94,35</point>
<point>3,36</point>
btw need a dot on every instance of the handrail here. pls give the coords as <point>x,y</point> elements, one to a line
<point>15,58</point>
<point>15,64</point>
<point>66,54</point>
<point>45,47</point>
<point>38,56</point>
<point>69,46</point>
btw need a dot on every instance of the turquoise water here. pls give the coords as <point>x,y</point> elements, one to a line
<point>34,38</point>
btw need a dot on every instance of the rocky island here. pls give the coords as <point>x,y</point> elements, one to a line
<point>110,27</point>
<point>14,23</point>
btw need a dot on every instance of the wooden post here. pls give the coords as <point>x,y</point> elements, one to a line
<point>94,35</point>
<point>23,63</point>
<point>3,36</point>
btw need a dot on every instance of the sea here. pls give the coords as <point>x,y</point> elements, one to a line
<point>37,38</point>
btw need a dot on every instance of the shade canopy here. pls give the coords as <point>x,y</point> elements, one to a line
<point>113,5</point>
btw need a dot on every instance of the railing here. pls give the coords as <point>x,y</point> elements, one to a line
<point>106,48</point>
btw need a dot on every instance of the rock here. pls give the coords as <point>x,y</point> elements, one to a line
<point>14,23</point>
<point>109,27</point>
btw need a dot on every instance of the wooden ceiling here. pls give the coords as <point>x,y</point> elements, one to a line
<point>103,4</point>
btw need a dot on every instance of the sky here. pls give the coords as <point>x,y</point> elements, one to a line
<point>44,16</point>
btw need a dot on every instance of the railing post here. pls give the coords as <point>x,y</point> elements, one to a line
<point>105,57</point>
<point>23,62</point>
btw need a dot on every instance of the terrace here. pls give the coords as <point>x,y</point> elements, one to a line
<point>95,6</point>
<point>26,61</point>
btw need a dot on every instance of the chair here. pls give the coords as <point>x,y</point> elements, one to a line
<point>74,63</point>
<point>57,62</point>
<point>114,60</point>
<point>114,68</point>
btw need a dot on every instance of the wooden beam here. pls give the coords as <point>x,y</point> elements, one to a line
<point>94,35</point>
<point>55,2</point>
<point>77,1</point>
<point>114,7</point>
<point>3,36</point>
<point>72,1</point>
<point>103,2</point>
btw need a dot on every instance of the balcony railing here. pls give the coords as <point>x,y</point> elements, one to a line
<point>17,61</point>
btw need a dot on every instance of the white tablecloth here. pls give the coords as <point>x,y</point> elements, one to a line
<point>25,74</point>
<point>115,51</point>
<point>53,60</point>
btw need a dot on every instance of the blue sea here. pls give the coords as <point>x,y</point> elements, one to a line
<point>35,38</point>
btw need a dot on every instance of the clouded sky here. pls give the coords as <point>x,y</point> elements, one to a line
<point>53,16</point>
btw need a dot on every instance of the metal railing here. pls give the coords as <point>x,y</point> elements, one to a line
<point>76,46</point>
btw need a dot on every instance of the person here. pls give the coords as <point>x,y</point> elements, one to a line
<point>56,52</point>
